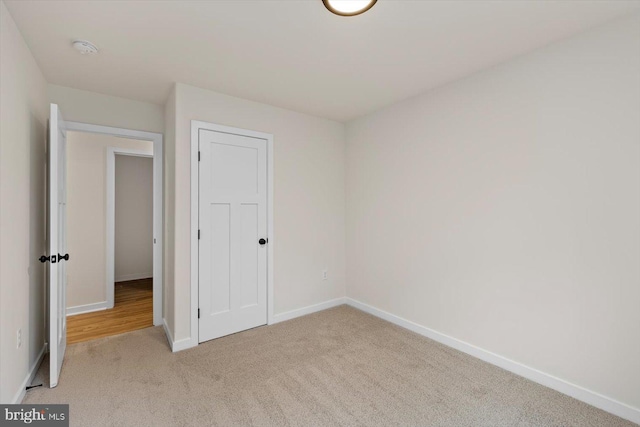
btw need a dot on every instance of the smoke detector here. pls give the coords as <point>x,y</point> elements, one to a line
<point>85,47</point>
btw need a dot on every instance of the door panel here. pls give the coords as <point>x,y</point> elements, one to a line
<point>234,169</point>
<point>249,254</point>
<point>220,257</point>
<point>57,273</point>
<point>232,219</point>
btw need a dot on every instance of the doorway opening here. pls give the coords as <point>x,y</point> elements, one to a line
<point>114,229</point>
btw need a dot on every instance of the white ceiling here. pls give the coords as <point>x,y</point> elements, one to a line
<point>292,53</point>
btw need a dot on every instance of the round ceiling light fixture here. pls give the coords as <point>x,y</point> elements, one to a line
<point>348,7</point>
<point>85,47</point>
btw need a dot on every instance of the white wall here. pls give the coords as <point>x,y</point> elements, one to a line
<point>133,218</point>
<point>86,213</point>
<point>309,198</point>
<point>504,210</point>
<point>98,109</point>
<point>23,118</point>
<point>169,184</point>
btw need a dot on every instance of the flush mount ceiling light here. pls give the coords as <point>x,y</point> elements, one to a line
<point>348,7</point>
<point>85,47</point>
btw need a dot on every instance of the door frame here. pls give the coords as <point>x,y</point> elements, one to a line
<point>196,126</point>
<point>158,212</point>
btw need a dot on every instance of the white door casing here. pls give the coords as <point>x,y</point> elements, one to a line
<point>232,215</point>
<point>57,272</point>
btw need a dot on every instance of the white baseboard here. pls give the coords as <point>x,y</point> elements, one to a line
<point>183,344</point>
<point>87,308</point>
<point>179,345</point>
<point>136,276</point>
<point>277,318</point>
<point>17,398</point>
<point>186,343</point>
<point>577,392</point>
<point>167,332</point>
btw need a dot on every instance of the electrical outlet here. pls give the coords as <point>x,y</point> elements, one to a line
<point>19,338</point>
<point>324,274</point>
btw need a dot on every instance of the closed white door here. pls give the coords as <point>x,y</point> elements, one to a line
<point>58,257</point>
<point>232,233</point>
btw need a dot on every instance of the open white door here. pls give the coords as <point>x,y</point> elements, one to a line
<point>57,188</point>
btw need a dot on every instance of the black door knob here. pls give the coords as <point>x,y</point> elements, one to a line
<point>262,241</point>
<point>44,259</point>
<point>63,257</point>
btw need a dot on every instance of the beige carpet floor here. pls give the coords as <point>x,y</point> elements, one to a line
<point>336,367</point>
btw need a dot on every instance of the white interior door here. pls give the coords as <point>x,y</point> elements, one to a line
<point>57,188</point>
<point>233,232</point>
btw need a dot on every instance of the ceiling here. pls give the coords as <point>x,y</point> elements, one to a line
<point>292,53</point>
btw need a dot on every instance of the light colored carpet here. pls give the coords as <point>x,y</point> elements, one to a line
<point>336,367</point>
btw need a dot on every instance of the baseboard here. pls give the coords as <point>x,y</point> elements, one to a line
<point>87,308</point>
<point>167,333</point>
<point>277,318</point>
<point>137,276</point>
<point>186,343</point>
<point>577,392</point>
<point>17,398</point>
<point>179,345</point>
<point>183,344</point>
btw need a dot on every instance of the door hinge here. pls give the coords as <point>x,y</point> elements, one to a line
<point>198,313</point>
<point>198,234</point>
<point>198,156</point>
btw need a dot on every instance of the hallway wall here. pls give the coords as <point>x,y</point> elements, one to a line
<point>86,216</point>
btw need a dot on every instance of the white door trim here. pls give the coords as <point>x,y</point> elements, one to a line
<point>111,214</point>
<point>158,214</point>
<point>196,125</point>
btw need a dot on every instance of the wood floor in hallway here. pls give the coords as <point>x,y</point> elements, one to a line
<point>133,310</point>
